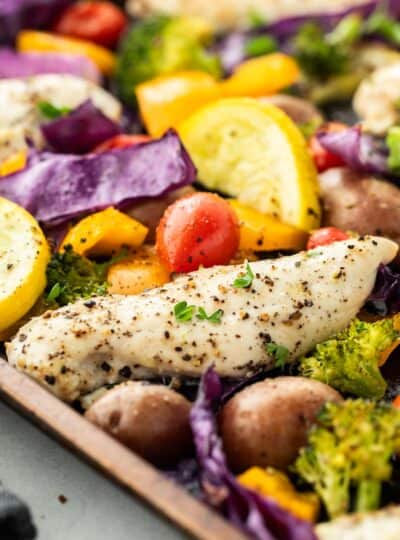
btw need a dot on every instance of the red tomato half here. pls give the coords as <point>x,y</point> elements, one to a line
<point>121,141</point>
<point>100,22</point>
<point>323,159</point>
<point>200,229</point>
<point>326,236</point>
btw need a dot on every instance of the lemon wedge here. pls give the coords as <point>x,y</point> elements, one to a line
<point>24,254</point>
<point>254,152</point>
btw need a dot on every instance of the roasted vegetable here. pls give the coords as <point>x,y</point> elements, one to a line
<point>105,233</point>
<point>71,276</point>
<point>161,45</point>
<point>351,447</point>
<point>349,361</point>
<point>276,485</point>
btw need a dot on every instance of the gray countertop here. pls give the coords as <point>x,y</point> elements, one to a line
<point>39,470</point>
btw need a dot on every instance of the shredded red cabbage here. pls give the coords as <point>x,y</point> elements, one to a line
<point>80,131</point>
<point>385,298</point>
<point>56,188</point>
<point>257,516</point>
<point>360,151</point>
<point>18,14</point>
<point>14,64</point>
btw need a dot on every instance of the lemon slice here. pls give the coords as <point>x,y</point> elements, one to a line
<point>24,254</point>
<point>253,151</point>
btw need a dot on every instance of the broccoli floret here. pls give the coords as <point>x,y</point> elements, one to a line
<point>71,276</point>
<point>161,45</point>
<point>322,55</point>
<point>349,361</point>
<point>349,451</point>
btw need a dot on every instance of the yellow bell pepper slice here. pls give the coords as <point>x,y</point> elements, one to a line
<point>277,486</point>
<point>135,274</point>
<point>105,233</point>
<point>261,232</point>
<point>33,41</point>
<point>166,101</point>
<point>13,164</point>
<point>262,76</point>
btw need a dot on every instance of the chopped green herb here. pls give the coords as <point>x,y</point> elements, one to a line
<point>256,20</point>
<point>313,253</point>
<point>213,318</point>
<point>381,24</point>
<point>244,281</point>
<point>393,143</point>
<point>308,129</point>
<point>348,31</point>
<point>183,312</point>
<point>279,353</point>
<point>55,292</point>
<point>259,45</point>
<point>51,112</point>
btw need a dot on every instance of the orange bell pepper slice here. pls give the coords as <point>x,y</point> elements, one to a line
<point>276,485</point>
<point>105,233</point>
<point>13,164</point>
<point>33,41</point>
<point>166,101</point>
<point>135,274</point>
<point>260,232</point>
<point>262,76</point>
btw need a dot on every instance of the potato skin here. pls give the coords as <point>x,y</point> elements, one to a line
<point>299,110</point>
<point>266,423</point>
<point>151,420</point>
<point>360,203</point>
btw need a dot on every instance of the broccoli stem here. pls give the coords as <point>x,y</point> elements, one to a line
<point>368,495</point>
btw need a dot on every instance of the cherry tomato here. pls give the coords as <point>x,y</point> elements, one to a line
<point>200,229</point>
<point>326,236</point>
<point>100,22</point>
<point>396,402</point>
<point>121,141</point>
<point>323,159</point>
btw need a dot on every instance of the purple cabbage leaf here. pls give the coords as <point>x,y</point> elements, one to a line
<point>360,151</point>
<point>385,297</point>
<point>80,131</point>
<point>34,14</point>
<point>56,188</point>
<point>14,64</point>
<point>257,516</point>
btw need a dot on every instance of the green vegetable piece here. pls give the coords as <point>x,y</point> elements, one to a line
<point>214,318</point>
<point>256,19</point>
<point>244,281</point>
<point>279,353</point>
<point>183,312</point>
<point>259,45</point>
<point>349,361</point>
<point>161,45</point>
<point>318,58</point>
<point>382,24</point>
<point>51,112</point>
<point>71,277</point>
<point>350,450</point>
<point>348,31</point>
<point>393,143</point>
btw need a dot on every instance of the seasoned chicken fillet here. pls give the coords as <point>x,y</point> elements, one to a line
<point>295,301</point>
